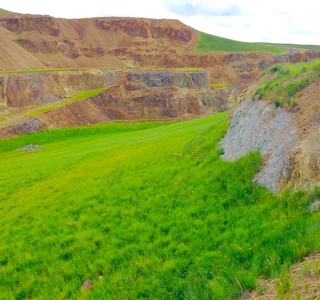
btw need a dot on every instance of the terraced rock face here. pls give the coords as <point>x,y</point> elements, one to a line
<point>129,95</point>
<point>30,41</point>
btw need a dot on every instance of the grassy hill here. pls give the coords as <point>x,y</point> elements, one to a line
<point>145,211</point>
<point>212,43</point>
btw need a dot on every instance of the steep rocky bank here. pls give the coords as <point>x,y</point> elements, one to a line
<point>288,140</point>
<point>24,89</point>
<point>259,126</point>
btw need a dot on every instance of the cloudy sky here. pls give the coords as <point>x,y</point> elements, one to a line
<point>275,21</point>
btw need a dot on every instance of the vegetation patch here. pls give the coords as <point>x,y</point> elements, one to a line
<point>212,43</point>
<point>283,88</point>
<point>42,108</point>
<point>70,133</point>
<point>221,85</point>
<point>142,214</point>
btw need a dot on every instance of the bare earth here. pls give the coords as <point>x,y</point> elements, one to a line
<point>301,282</point>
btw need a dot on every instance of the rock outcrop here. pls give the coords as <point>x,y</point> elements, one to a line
<point>259,126</point>
<point>24,89</point>
<point>289,141</point>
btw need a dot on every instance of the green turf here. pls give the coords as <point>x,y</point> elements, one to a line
<point>155,212</point>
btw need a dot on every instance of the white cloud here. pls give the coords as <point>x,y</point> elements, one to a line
<point>246,20</point>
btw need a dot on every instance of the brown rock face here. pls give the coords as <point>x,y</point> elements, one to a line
<point>24,89</point>
<point>139,94</point>
<point>41,24</point>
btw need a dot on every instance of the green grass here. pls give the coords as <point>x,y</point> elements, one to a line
<point>286,82</point>
<point>66,134</point>
<point>211,43</point>
<point>54,105</point>
<point>221,85</point>
<point>297,47</point>
<point>155,211</point>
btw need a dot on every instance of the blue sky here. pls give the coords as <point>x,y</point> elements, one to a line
<point>275,21</point>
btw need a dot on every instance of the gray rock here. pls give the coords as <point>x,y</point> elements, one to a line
<point>315,206</point>
<point>157,79</point>
<point>31,148</point>
<point>87,285</point>
<point>258,125</point>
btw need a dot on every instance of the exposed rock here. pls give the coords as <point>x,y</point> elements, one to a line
<point>142,94</point>
<point>315,206</point>
<point>28,126</point>
<point>25,89</point>
<point>257,125</point>
<point>87,285</point>
<point>19,24</point>
<point>170,78</point>
<point>31,148</point>
<point>289,140</point>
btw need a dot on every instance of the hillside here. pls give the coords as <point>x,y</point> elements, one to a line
<point>141,211</point>
<point>124,176</point>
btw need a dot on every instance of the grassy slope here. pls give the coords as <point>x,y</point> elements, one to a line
<point>211,43</point>
<point>35,110</point>
<point>155,212</point>
<point>286,81</point>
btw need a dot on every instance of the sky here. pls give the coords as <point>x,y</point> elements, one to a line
<point>274,21</point>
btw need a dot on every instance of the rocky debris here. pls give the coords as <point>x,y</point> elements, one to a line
<point>315,206</point>
<point>28,126</point>
<point>52,100</point>
<point>257,125</point>
<point>31,148</point>
<point>87,285</point>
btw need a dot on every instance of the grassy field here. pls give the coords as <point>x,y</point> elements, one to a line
<point>283,88</point>
<point>145,211</point>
